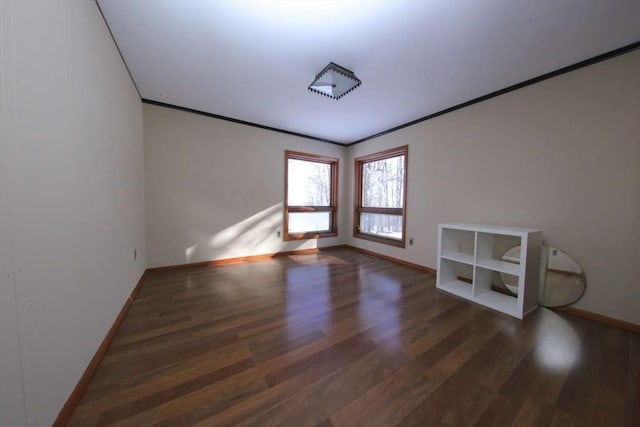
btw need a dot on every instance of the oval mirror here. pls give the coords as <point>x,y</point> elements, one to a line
<point>562,280</point>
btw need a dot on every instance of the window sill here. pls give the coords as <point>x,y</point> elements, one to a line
<point>308,236</point>
<point>378,239</point>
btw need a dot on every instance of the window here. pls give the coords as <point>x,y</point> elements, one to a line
<point>380,197</point>
<point>311,194</point>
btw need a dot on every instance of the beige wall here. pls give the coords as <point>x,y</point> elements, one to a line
<point>214,189</point>
<point>71,199</point>
<point>562,155</point>
<point>12,408</point>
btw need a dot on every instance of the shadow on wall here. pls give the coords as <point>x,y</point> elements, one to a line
<point>254,235</point>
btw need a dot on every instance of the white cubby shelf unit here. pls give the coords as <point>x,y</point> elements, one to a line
<point>470,264</point>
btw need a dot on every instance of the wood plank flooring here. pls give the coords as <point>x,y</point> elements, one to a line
<point>343,339</point>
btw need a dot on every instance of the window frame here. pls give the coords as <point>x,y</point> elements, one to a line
<point>333,198</point>
<point>357,202</point>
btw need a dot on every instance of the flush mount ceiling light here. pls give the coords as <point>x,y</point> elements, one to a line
<point>334,81</point>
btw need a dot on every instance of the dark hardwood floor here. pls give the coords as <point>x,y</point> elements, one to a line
<point>343,339</point>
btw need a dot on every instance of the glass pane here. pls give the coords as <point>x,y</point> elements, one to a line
<point>381,225</point>
<point>383,183</point>
<point>309,183</point>
<point>302,222</point>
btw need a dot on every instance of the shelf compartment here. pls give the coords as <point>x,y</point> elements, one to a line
<point>457,245</point>
<point>500,266</point>
<point>452,275</point>
<point>483,293</point>
<point>462,257</point>
<point>488,279</point>
<point>457,287</point>
<point>491,247</point>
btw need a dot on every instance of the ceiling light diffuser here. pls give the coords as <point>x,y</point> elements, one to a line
<point>334,81</point>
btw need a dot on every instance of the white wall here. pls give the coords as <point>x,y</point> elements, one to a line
<point>71,199</point>
<point>562,155</point>
<point>12,404</point>
<point>12,409</point>
<point>215,189</point>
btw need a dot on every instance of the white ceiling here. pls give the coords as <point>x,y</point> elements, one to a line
<point>253,60</point>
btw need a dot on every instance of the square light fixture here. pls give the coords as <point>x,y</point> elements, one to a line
<point>334,81</point>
